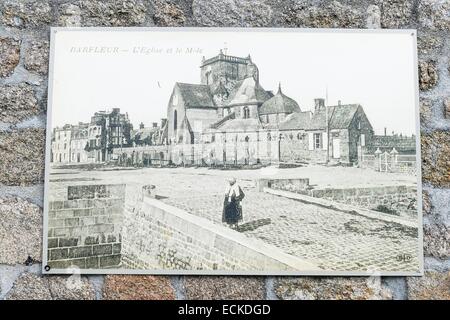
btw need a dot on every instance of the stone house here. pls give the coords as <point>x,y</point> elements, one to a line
<point>69,144</point>
<point>108,130</point>
<point>79,143</point>
<point>60,144</point>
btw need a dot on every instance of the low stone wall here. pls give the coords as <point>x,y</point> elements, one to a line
<point>397,200</point>
<point>84,230</point>
<point>294,185</point>
<point>159,236</point>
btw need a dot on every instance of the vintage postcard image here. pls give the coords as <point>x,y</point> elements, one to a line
<point>233,151</point>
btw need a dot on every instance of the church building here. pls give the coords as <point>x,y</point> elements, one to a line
<point>230,111</point>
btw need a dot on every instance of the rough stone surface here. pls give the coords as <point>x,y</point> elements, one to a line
<point>331,14</point>
<point>426,202</point>
<point>36,57</point>
<point>20,231</point>
<point>24,55</point>
<point>91,13</point>
<point>429,43</point>
<point>22,157</point>
<point>24,14</point>
<point>436,158</point>
<point>396,13</point>
<point>30,287</point>
<point>17,102</point>
<point>436,240</point>
<point>425,111</point>
<point>434,14</point>
<point>243,13</point>
<point>319,288</point>
<point>9,55</point>
<point>168,14</point>
<point>130,287</point>
<point>72,287</point>
<point>428,74</point>
<point>223,288</point>
<point>373,20</point>
<point>432,286</point>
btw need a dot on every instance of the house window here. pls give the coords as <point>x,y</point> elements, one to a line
<point>317,140</point>
<point>299,136</point>
<point>213,137</point>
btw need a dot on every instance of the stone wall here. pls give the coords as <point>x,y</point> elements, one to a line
<point>294,185</point>
<point>24,41</point>
<point>84,230</point>
<point>159,236</point>
<point>397,200</point>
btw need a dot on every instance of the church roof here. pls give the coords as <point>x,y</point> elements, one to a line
<point>279,103</point>
<point>196,95</point>
<point>249,124</point>
<point>339,116</point>
<point>248,91</point>
<point>296,120</point>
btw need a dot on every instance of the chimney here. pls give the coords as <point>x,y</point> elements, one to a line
<point>319,103</point>
<point>163,122</point>
<point>339,102</point>
<point>155,124</point>
<point>385,131</point>
<point>141,125</point>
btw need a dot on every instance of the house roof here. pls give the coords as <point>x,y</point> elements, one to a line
<point>279,103</point>
<point>248,91</point>
<point>296,120</point>
<point>143,134</point>
<point>196,95</point>
<point>339,117</point>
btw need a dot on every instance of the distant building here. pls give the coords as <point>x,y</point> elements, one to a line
<point>108,130</point>
<point>79,143</point>
<point>69,144</point>
<point>231,106</point>
<point>149,136</point>
<point>61,143</point>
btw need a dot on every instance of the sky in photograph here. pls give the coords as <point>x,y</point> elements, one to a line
<point>136,71</point>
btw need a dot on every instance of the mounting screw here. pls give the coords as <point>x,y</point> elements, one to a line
<point>47,268</point>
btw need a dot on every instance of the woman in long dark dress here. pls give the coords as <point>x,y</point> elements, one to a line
<point>232,209</point>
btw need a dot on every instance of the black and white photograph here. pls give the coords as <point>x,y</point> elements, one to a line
<point>233,151</point>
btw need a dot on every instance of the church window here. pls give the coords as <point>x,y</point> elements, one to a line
<point>175,120</point>
<point>363,140</point>
<point>246,112</point>
<point>247,139</point>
